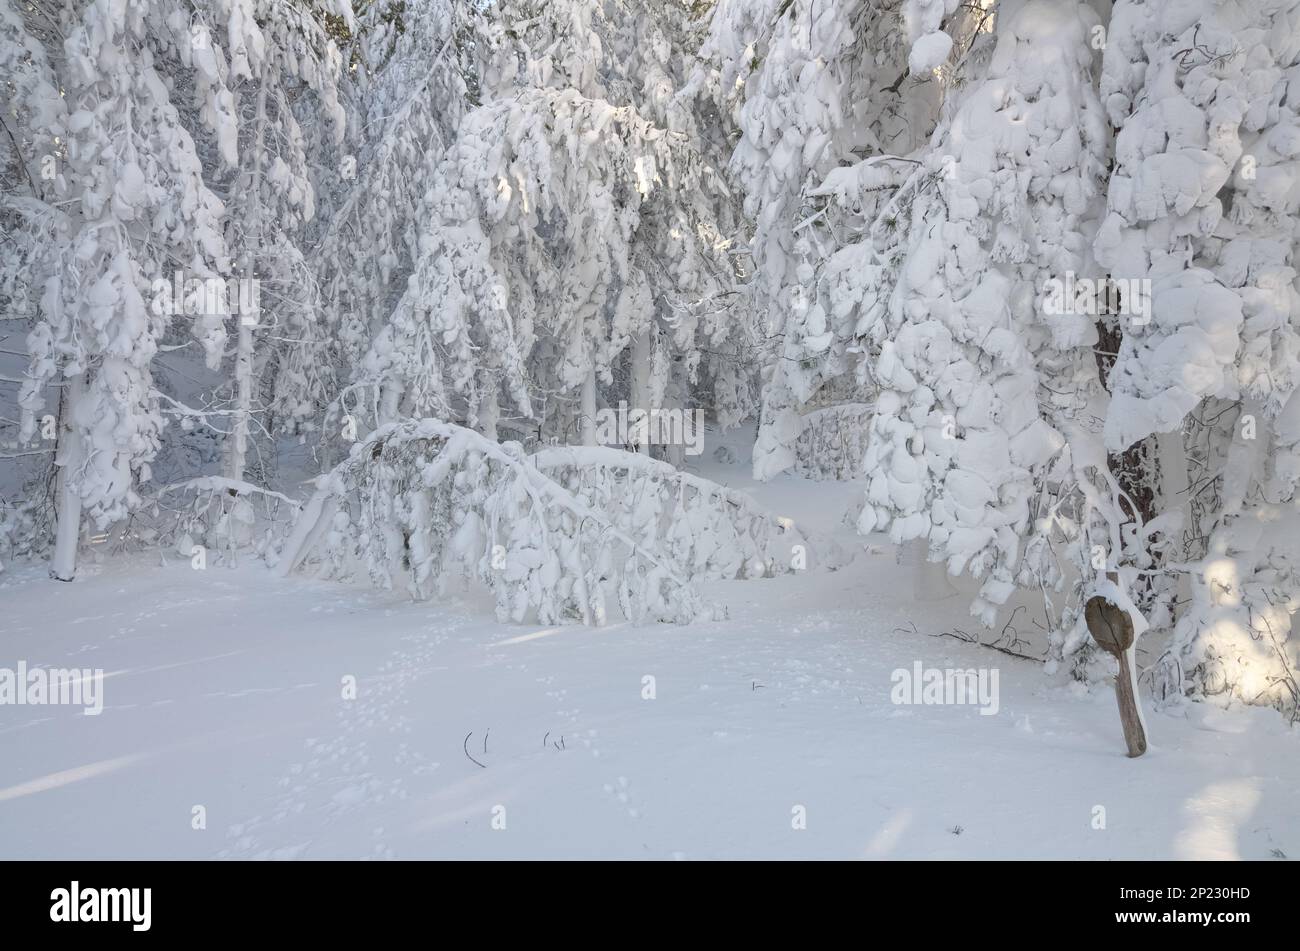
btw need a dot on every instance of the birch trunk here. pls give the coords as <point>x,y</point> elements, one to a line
<point>237,457</point>
<point>69,455</point>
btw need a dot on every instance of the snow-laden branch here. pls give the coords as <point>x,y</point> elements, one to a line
<point>222,484</point>
<point>709,530</point>
<point>555,533</point>
<point>427,499</point>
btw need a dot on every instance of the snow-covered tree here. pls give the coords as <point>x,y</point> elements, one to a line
<point>127,202</point>
<point>409,93</point>
<point>128,124</point>
<point>977,377</point>
<point>1203,205</point>
<point>829,116</point>
<point>286,53</point>
<point>574,227</point>
<point>1077,299</point>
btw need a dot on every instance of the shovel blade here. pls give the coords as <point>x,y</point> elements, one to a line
<point>1109,626</point>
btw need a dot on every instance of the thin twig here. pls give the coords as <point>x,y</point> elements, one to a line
<point>465,747</point>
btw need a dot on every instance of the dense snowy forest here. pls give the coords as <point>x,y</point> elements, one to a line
<point>519,298</point>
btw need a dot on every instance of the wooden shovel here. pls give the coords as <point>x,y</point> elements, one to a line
<point>1112,628</point>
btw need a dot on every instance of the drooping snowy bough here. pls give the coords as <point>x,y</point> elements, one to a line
<point>426,501</point>
<point>708,531</point>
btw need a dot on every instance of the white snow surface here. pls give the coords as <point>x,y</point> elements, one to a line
<point>223,689</point>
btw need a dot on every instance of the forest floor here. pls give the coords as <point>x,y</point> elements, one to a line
<point>771,734</point>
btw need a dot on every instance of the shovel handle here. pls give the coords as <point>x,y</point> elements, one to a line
<point>1134,736</point>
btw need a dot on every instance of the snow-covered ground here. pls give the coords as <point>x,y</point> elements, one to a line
<point>224,689</point>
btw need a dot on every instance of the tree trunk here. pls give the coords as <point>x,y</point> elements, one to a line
<point>237,457</point>
<point>588,420</point>
<point>489,412</point>
<point>1174,492</point>
<point>69,455</point>
<point>1136,469</point>
<point>641,357</point>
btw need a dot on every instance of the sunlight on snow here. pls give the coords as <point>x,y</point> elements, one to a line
<point>1215,816</point>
